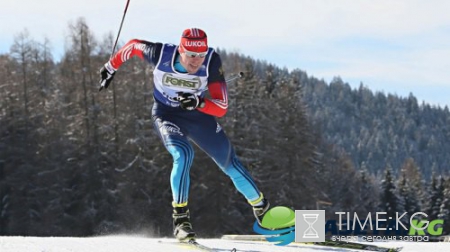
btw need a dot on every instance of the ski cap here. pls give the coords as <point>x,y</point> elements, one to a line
<point>194,40</point>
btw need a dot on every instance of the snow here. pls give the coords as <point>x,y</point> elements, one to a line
<point>136,243</point>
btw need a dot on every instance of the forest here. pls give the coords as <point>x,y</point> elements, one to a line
<point>78,162</point>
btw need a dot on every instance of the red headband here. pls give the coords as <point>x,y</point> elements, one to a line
<point>194,40</point>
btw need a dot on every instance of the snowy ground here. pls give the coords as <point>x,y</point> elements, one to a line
<point>129,243</point>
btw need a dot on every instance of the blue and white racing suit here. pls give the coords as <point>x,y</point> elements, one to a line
<point>179,128</point>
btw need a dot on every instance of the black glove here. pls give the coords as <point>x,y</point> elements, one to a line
<point>106,76</point>
<point>190,101</point>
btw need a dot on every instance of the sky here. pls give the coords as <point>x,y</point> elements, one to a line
<point>391,46</point>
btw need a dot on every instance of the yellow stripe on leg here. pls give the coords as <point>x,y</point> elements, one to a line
<point>256,201</point>
<point>174,204</point>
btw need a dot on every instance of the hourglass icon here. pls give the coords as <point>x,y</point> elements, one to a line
<point>310,232</point>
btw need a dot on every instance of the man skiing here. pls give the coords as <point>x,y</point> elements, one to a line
<point>182,113</point>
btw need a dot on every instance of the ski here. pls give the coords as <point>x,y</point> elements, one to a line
<point>202,247</point>
<point>196,245</point>
<point>327,243</point>
<point>355,245</point>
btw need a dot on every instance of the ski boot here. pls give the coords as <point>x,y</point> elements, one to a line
<point>182,227</point>
<point>260,210</point>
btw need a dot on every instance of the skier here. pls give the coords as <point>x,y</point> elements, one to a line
<point>181,112</point>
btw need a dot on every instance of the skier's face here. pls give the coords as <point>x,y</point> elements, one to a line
<point>192,61</point>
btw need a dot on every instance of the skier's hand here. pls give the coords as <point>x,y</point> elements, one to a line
<point>189,101</point>
<point>106,76</point>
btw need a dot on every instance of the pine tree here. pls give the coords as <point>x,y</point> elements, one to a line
<point>368,193</point>
<point>390,202</point>
<point>445,207</point>
<point>436,196</point>
<point>406,193</point>
<point>411,172</point>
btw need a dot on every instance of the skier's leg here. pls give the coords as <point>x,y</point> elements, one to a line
<point>211,138</point>
<point>239,175</point>
<point>243,181</point>
<point>182,153</point>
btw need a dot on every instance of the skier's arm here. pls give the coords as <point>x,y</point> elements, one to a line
<point>143,49</point>
<point>217,105</point>
<point>135,47</point>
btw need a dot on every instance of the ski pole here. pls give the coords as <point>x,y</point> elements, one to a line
<point>118,35</point>
<point>238,76</point>
<point>120,28</point>
<point>234,77</point>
